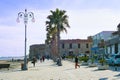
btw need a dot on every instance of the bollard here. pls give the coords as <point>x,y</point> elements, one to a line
<point>59,62</point>
<point>115,68</point>
<point>22,65</point>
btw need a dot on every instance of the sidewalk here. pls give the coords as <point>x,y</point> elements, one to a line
<point>48,70</point>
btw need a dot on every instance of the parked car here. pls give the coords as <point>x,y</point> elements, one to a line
<point>114,59</point>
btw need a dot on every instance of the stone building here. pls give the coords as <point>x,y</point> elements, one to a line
<point>67,47</point>
<point>36,50</point>
<point>75,46</point>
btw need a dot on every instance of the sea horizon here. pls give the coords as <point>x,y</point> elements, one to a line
<point>11,57</point>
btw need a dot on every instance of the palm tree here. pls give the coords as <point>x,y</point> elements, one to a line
<point>57,23</point>
<point>50,37</point>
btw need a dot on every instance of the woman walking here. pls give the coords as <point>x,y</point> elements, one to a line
<point>76,62</point>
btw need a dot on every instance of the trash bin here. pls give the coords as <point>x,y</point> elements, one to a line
<point>59,62</point>
<point>22,65</point>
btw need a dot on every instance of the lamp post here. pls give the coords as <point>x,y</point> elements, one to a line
<point>25,16</point>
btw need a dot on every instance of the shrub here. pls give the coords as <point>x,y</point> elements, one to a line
<point>84,58</point>
<point>92,60</point>
<point>102,61</point>
<point>69,57</point>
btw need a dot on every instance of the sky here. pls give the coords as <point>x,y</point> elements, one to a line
<point>86,18</point>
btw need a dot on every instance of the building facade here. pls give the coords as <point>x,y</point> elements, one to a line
<point>67,47</point>
<point>104,35</point>
<point>37,50</point>
<point>113,44</point>
<point>75,46</point>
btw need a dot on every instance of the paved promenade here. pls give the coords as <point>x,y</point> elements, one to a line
<point>48,70</point>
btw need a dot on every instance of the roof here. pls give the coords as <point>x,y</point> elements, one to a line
<point>75,41</point>
<point>106,32</point>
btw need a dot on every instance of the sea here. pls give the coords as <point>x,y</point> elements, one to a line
<point>11,57</point>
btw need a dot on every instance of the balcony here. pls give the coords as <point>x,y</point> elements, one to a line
<point>113,41</point>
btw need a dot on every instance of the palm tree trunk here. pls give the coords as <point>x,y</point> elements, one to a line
<point>58,43</point>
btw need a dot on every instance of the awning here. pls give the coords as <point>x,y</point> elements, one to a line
<point>94,48</point>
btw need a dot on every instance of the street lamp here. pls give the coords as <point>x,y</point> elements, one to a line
<point>25,16</point>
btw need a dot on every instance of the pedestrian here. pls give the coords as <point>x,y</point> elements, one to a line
<point>43,58</point>
<point>76,62</point>
<point>34,61</point>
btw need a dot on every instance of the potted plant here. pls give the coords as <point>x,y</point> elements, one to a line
<point>102,61</point>
<point>84,60</point>
<point>103,65</point>
<point>91,63</point>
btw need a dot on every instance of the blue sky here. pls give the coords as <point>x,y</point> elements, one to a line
<point>86,18</point>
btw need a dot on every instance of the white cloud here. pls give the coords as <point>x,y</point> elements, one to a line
<point>83,23</point>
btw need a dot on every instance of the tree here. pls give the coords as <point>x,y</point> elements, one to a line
<point>57,23</point>
<point>49,41</point>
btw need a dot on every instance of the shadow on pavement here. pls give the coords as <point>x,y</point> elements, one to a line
<point>10,71</point>
<point>70,69</point>
<point>86,67</point>
<point>55,65</point>
<point>113,68</point>
<point>98,70</point>
<point>103,79</point>
<point>117,75</point>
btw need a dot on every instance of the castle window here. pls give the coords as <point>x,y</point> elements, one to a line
<point>87,45</point>
<point>63,46</point>
<point>70,46</point>
<point>78,45</point>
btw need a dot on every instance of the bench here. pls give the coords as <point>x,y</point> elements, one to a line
<point>4,66</point>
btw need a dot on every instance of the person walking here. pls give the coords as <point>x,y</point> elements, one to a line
<point>34,61</point>
<point>76,62</point>
<point>43,58</point>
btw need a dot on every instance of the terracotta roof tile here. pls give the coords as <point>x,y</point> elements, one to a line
<point>75,41</point>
